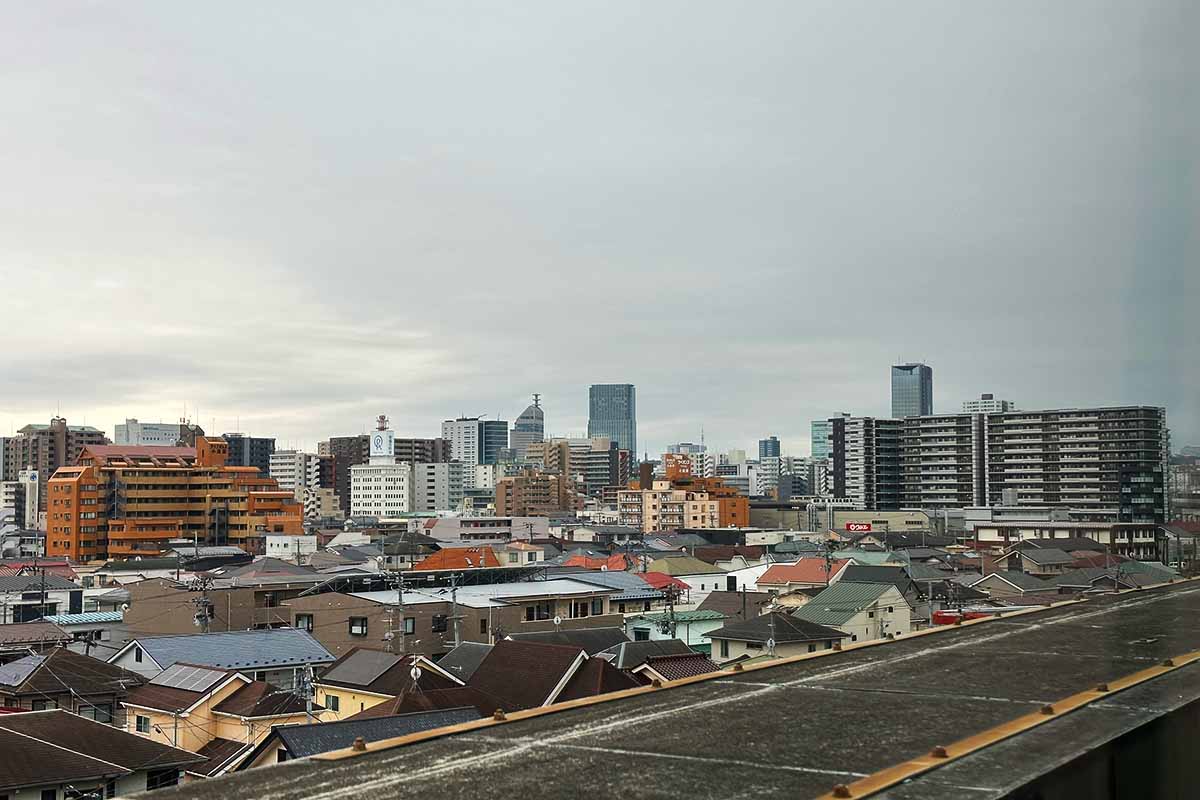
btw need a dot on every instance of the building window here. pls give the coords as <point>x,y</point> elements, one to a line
<point>724,648</point>
<point>49,794</point>
<point>483,626</point>
<point>641,634</point>
<point>100,713</point>
<point>812,648</point>
<point>110,789</point>
<point>161,778</point>
<point>646,606</point>
<point>437,624</point>
<point>540,610</point>
<point>333,702</point>
<point>137,654</point>
<point>304,622</point>
<point>597,606</point>
<point>410,626</point>
<point>514,558</point>
<point>281,756</point>
<point>358,626</point>
<point>142,724</point>
<point>44,705</point>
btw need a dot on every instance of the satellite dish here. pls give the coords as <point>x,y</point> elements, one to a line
<point>558,621</point>
<point>770,644</point>
<point>415,674</point>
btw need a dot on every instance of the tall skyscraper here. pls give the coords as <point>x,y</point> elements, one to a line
<point>473,440</point>
<point>912,390</point>
<point>612,413</point>
<point>530,427</point>
<point>768,448</point>
<point>821,430</point>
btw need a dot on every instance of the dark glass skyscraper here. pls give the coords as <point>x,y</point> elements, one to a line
<point>612,412</point>
<point>769,447</point>
<point>912,390</point>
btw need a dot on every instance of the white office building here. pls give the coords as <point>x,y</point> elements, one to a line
<point>988,404</point>
<point>156,434</point>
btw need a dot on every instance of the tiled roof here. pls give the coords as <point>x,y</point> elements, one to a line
<point>591,640</point>
<point>630,585</point>
<point>731,603</point>
<point>88,618</point>
<point>594,677</point>
<point>434,699</point>
<point>163,698</point>
<point>724,552</point>
<point>302,741</point>
<point>258,649</point>
<point>806,570</point>
<point>380,672</point>
<point>838,603</point>
<point>786,628</point>
<point>458,557</point>
<point>1018,579</point>
<point>34,583</point>
<point>54,747</point>
<point>693,615</point>
<point>1047,555</point>
<point>462,661</point>
<point>32,633</point>
<point>628,655</point>
<point>524,674</point>
<point>62,670</point>
<point>682,666</point>
<point>218,754</point>
<point>261,699</point>
<point>683,565</point>
<point>660,580</point>
<point>615,562</point>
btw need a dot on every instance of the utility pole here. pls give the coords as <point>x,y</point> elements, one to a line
<point>202,603</point>
<point>396,643</point>
<point>455,617</point>
<point>306,691</point>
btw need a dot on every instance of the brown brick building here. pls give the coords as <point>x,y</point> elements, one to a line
<point>535,494</point>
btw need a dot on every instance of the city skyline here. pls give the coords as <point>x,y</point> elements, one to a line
<point>333,270</point>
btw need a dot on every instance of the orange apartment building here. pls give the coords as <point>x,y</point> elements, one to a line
<point>120,501</point>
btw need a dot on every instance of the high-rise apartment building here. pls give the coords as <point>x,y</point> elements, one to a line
<point>912,390</point>
<point>437,487</point>
<point>535,494</point>
<point>250,451</point>
<point>381,490</point>
<point>530,427</point>
<point>1105,464</point>
<point>768,448</point>
<point>43,449</point>
<point>821,429</point>
<point>128,501</point>
<point>474,440</point>
<point>346,451</point>
<point>309,477</point>
<point>593,463</point>
<point>612,413</point>
<point>988,404</point>
<point>866,461</point>
<point>157,434</point>
<point>686,502</point>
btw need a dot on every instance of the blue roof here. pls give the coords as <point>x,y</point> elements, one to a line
<point>278,647</point>
<point>89,618</point>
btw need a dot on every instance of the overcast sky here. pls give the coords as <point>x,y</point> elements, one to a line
<point>291,217</point>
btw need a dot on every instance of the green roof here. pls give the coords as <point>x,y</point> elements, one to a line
<point>683,616</point>
<point>838,604</point>
<point>872,558</point>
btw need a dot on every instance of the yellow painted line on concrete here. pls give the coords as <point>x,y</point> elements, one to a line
<point>941,756</point>
<point>513,716</point>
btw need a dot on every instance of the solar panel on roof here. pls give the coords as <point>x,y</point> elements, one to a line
<point>187,678</point>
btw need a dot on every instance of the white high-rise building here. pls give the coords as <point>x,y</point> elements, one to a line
<point>988,404</point>
<point>381,490</point>
<point>156,434</point>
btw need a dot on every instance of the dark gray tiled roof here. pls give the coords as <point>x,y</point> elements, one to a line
<point>302,741</point>
<point>462,661</point>
<point>592,640</point>
<point>628,655</point>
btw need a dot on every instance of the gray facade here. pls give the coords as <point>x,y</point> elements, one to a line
<point>249,451</point>
<point>612,413</point>
<point>530,427</point>
<point>912,390</point>
<point>769,447</point>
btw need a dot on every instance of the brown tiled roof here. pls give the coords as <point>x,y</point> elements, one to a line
<point>523,674</point>
<point>595,676</point>
<point>685,666</point>
<point>217,754</point>
<point>394,679</point>
<point>730,603</point>
<point>32,633</point>
<point>456,558</point>
<point>29,762</point>
<point>724,552</point>
<point>413,702</point>
<point>261,699</point>
<point>163,698</point>
<point>86,740</point>
<point>64,670</point>
<point>806,570</point>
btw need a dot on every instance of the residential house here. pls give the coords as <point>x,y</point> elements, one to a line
<point>701,578</point>
<point>17,639</point>
<point>865,611</point>
<point>62,678</point>
<point>691,627</point>
<point>628,656</point>
<point>591,640</point>
<point>290,742</point>
<point>1041,562</point>
<point>532,674</point>
<point>674,667</point>
<point>99,632</point>
<point>55,755</point>
<point>462,661</point>
<point>219,714</point>
<point>279,656</point>
<point>789,634</point>
<point>27,598</point>
<point>741,604</point>
<point>459,558</point>
<point>364,678</point>
<point>1011,583</point>
<point>1100,579</point>
<point>632,594</point>
<point>803,574</point>
<point>518,553</point>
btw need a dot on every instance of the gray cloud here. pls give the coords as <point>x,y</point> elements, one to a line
<point>295,216</point>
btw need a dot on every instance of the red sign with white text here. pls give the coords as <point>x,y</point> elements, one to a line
<point>858,527</point>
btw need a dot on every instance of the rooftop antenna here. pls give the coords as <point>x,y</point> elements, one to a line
<point>537,400</point>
